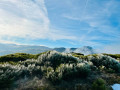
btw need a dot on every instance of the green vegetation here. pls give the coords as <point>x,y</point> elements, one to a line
<point>57,70</point>
<point>77,54</point>
<point>106,61</point>
<point>18,57</point>
<point>99,84</point>
<point>116,56</point>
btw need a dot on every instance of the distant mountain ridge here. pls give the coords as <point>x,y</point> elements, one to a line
<point>84,50</point>
<point>13,48</point>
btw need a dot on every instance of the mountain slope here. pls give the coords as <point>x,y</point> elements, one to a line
<point>13,48</point>
<point>84,50</point>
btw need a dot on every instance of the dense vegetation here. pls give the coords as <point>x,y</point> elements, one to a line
<point>18,57</point>
<point>116,56</point>
<point>52,70</point>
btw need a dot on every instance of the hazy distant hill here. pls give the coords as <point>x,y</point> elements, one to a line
<point>13,48</point>
<point>85,50</point>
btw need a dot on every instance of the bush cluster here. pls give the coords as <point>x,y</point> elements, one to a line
<point>69,71</point>
<point>51,65</point>
<point>99,84</point>
<point>106,61</point>
<point>16,57</point>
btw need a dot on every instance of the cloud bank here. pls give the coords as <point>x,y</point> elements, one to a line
<point>27,19</point>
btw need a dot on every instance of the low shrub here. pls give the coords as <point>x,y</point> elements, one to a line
<point>54,59</point>
<point>106,61</point>
<point>68,72</point>
<point>16,57</point>
<point>99,84</point>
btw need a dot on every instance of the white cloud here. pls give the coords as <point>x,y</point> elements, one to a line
<point>96,14</point>
<point>8,42</point>
<point>23,19</point>
<point>26,19</point>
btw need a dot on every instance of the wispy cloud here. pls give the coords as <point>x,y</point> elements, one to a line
<point>96,15</point>
<point>64,22</point>
<point>27,19</point>
<point>24,19</point>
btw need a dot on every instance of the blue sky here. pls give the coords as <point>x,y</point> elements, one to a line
<point>61,23</point>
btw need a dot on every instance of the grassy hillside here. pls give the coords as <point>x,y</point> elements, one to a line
<point>18,57</point>
<point>52,70</point>
<point>116,56</point>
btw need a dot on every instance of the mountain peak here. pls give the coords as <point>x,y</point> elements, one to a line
<point>87,47</point>
<point>84,50</point>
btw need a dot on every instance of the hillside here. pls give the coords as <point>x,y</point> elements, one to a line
<point>52,70</point>
<point>32,49</point>
<point>13,48</point>
<point>84,50</point>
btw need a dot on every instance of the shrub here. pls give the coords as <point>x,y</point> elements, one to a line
<point>19,57</point>
<point>43,66</point>
<point>99,84</point>
<point>10,73</point>
<point>54,59</point>
<point>113,55</point>
<point>68,72</point>
<point>106,61</point>
<point>16,57</point>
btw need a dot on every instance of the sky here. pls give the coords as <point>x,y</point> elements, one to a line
<point>61,23</point>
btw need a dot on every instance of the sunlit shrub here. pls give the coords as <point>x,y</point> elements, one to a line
<point>107,61</point>
<point>70,71</point>
<point>54,59</point>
